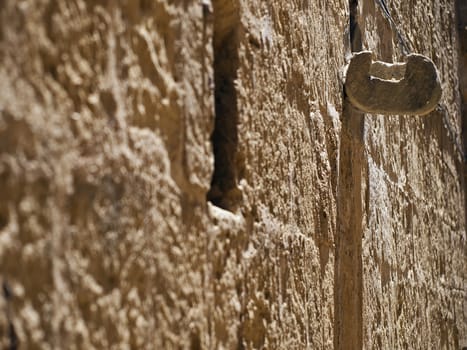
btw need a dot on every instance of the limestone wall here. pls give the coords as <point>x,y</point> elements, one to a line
<point>189,175</point>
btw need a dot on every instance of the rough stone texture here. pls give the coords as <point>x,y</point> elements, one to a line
<point>187,174</point>
<point>414,242</point>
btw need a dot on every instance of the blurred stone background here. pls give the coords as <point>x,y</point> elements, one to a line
<point>188,175</point>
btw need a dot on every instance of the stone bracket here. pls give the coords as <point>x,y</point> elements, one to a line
<point>410,88</point>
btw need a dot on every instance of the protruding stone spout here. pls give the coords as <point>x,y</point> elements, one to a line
<point>377,87</point>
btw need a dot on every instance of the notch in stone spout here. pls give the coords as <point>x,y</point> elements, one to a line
<point>412,87</point>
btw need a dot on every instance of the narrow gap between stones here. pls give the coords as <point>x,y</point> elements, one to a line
<point>3,215</point>
<point>224,192</point>
<point>355,32</point>
<point>12,337</point>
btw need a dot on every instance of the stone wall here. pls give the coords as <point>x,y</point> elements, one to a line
<point>188,174</point>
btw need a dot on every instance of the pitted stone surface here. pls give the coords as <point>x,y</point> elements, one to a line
<point>107,241</point>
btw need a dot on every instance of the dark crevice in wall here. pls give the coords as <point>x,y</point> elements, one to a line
<point>355,31</point>
<point>12,337</point>
<point>4,217</point>
<point>461,11</point>
<point>348,322</point>
<point>195,341</point>
<point>224,191</point>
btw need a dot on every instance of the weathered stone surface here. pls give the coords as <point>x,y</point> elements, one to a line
<point>186,174</point>
<point>414,253</point>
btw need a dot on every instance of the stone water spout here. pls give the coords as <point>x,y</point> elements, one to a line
<point>412,87</point>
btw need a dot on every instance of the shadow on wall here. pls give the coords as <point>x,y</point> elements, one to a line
<point>224,192</point>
